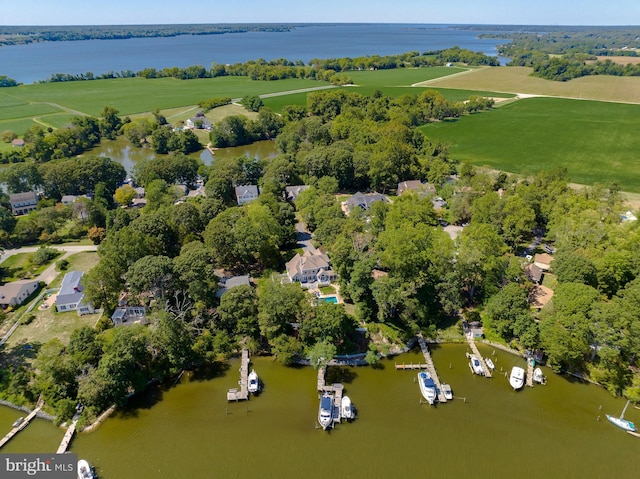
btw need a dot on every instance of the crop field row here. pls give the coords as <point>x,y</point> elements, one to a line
<point>596,141</point>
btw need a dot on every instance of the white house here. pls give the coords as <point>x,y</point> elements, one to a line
<point>247,193</point>
<point>23,203</point>
<point>14,294</point>
<point>71,295</point>
<point>310,267</point>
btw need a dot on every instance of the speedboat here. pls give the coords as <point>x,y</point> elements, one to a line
<point>517,378</point>
<point>448,393</point>
<point>427,387</point>
<point>538,376</point>
<point>346,408</point>
<point>84,470</point>
<point>254,382</point>
<point>476,366</point>
<point>621,422</point>
<point>325,413</point>
<point>489,363</point>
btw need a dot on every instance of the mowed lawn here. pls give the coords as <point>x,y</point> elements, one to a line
<point>518,80</point>
<point>597,142</point>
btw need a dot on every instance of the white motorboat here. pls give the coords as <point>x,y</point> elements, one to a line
<point>517,378</point>
<point>346,408</point>
<point>448,393</point>
<point>325,412</point>
<point>84,470</point>
<point>489,363</point>
<point>476,365</point>
<point>621,422</point>
<point>253,382</point>
<point>427,387</point>
<point>538,376</point>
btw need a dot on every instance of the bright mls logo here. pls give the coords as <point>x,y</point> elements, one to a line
<point>45,466</point>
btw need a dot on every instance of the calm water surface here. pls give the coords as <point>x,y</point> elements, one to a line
<point>35,62</point>
<point>191,431</point>
<point>120,150</point>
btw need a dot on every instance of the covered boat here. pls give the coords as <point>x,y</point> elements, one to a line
<point>517,378</point>
<point>448,393</point>
<point>325,412</point>
<point>253,382</point>
<point>476,366</point>
<point>427,387</point>
<point>538,376</point>
<point>346,408</point>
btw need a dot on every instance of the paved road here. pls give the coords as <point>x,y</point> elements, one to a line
<point>304,237</point>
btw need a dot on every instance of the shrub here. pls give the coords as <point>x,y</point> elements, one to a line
<point>43,256</point>
<point>62,265</point>
<point>28,319</point>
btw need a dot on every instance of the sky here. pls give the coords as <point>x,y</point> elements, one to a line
<point>513,12</point>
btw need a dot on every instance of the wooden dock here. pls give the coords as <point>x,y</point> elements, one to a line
<point>530,373</point>
<point>66,440</point>
<point>241,394</point>
<point>403,366</point>
<point>474,348</point>
<point>335,389</point>
<point>22,425</point>
<point>431,368</point>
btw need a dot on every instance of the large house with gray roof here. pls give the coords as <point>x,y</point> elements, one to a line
<point>362,200</point>
<point>23,203</point>
<point>71,295</point>
<point>310,267</point>
<point>15,293</point>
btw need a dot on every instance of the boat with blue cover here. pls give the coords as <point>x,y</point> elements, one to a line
<point>427,387</point>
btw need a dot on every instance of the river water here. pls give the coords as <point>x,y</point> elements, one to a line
<point>38,61</point>
<point>190,431</point>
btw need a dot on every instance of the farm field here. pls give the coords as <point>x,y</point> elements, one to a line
<point>517,80</point>
<point>596,141</point>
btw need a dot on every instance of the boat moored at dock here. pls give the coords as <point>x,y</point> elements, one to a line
<point>448,393</point>
<point>516,379</point>
<point>346,408</point>
<point>475,365</point>
<point>621,422</point>
<point>253,382</point>
<point>427,387</point>
<point>538,376</point>
<point>490,364</point>
<point>325,412</point>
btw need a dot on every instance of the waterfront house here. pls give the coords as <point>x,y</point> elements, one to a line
<point>363,201</point>
<point>14,294</point>
<point>246,193</point>
<point>310,267</point>
<point>417,186</point>
<point>199,122</point>
<point>292,192</point>
<point>23,203</point>
<point>71,295</point>
<point>128,315</point>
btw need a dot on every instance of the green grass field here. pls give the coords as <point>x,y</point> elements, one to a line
<point>596,141</point>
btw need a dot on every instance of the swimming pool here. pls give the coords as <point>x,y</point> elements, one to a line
<point>329,299</point>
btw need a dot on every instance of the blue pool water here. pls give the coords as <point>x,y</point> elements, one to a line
<point>329,299</point>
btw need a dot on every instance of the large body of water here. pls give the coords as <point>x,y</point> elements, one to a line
<point>553,431</point>
<point>36,62</point>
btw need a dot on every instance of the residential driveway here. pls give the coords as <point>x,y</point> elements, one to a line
<point>49,274</point>
<point>304,237</point>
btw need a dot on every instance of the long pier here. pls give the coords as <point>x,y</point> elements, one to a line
<point>241,394</point>
<point>411,366</point>
<point>66,440</point>
<point>22,425</point>
<point>529,372</point>
<point>431,368</point>
<point>474,348</point>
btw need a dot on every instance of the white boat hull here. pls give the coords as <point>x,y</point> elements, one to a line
<point>476,366</point>
<point>517,378</point>
<point>325,413</point>
<point>84,470</point>
<point>622,423</point>
<point>253,382</point>
<point>489,363</point>
<point>346,408</point>
<point>427,387</point>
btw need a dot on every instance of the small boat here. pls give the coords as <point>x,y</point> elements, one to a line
<point>489,363</point>
<point>448,393</point>
<point>346,408</point>
<point>517,378</point>
<point>18,421</point>
<point>325,412</point>
<point>84,470</point>
<point>538,376</point>
<point>427,386</point>
<point>254,382</point>
<point>476,366</point>
<point>621,422</point>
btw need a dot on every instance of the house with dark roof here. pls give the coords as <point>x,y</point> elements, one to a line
<point>71,295</point>
<point>246,193</point>
<point>363,201</point>
<point>23,203</point>
<point>14,294</point>
<point>534,273</point>
<point>310,267</point>
<point>417,186</point>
